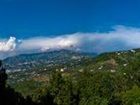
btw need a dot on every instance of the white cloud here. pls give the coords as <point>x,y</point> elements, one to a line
<point>8,46</point>
<point>44,43</point>
<point>120,38</point>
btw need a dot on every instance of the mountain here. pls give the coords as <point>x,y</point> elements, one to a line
<point>45,59</point>
<point>115,61</point>
<point>30,72</point>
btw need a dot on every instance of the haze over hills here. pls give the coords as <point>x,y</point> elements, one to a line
<point>45,59</point>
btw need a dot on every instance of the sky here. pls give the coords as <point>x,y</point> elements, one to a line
<point>28,26</point>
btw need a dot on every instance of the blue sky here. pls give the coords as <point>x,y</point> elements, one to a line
<point>28,26</point>
<point>26,18</point>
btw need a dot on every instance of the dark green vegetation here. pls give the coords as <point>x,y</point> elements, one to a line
<point>8,96</point>
<point>108,79</point>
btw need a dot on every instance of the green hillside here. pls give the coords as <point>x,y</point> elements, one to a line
<point>108,79</point>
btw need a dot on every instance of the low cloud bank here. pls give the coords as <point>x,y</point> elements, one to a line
<point>120,38</point>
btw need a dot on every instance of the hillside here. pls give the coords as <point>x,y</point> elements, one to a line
<point>34,65</point>
<point>119,68</point>
<point>37,66</point>
<point>45,59</point>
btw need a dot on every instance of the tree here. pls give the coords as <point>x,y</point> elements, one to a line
<point>3,77</point>
<point>132,96</point>
<point>8,96</point>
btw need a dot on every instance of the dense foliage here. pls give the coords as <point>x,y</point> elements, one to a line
<point>109,79</point>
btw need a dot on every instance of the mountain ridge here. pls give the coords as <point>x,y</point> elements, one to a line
<point>59,57</point>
